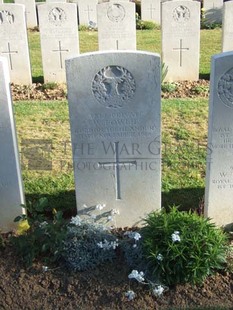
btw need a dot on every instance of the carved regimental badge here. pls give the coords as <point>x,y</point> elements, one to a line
<point>225,88</point>
<point>6,17</point>
<point>113,86</point>
<point>181,14</point>
<point>57,16</point>
<point>116,12</point>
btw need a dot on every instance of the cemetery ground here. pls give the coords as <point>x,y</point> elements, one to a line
<point>42,121</point>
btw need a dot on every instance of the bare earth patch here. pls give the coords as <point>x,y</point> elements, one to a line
<point>102,288</point>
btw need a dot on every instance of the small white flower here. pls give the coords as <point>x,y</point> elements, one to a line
<point>45,268</point>
<point>110,218</point>
<point>43,224</point>
<point>175,236</point>
<point>132,235</point>
<point>137,236</point>
<point>115,211</point>
<point>159,257</point>
<point>134,245</point>
<point>139,276</point>
<point>158,291</point>
<point>130,295</point>
<point>100,206</point>
<point>106,245</point>
<point>76,220</point>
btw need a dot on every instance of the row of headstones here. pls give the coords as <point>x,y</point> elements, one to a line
<point>115,116</point>
<point>117,31</point>
<point>150,10</point>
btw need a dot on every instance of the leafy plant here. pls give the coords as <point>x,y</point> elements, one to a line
<point>87,245</point>
<point>49,85</point>
<point>164,71</point>
<point>182,246</point>
<point>168,87</point>
<point>43,238</point>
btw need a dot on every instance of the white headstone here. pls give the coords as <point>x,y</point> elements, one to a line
<point>219,176</point>
<point>59,38</point>
<point>31,17</point>
<point>150,10</point>
<point>11,186</point>
<point>213,11</point>
<point>87,12</point>
<point>227,27</point>
<point>114,102</point>
<point>181,39</point>
<point>116,25</point>
<point>14,42</point>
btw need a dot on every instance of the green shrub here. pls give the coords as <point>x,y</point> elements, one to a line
<point>182,246</point>
<point>44,238</point>
<point>168,87</point>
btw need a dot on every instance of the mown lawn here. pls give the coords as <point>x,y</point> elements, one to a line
<point>184,133</point>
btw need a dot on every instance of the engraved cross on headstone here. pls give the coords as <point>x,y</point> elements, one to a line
<point>9,52</point>
<point>181,49</point>
<point>60,50</point>
<point>117,164</point>
<point>88,10</point>
<point>151,9</point>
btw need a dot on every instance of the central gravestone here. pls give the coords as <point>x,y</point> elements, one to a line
<point>11,186</point>
<point>114,103</point>
<point>219,175</point>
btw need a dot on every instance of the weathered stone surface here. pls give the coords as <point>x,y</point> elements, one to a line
<point>116,25</point>
<point>11,186</point>
<point>30,6</point>
<point>59,38</point>
<point>150,10</point>
<point>181,39</point>
<point>114,103</point>
<point>219,176</point>
<point>14,42</point>
<point>227,27</point>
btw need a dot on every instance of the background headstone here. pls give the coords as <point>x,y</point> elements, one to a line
<point>114,102</point>
<point>11,186</point>
<point>87,12</point>
<point>150,10</point>
<point>57,1</point>
<point>30,6</point>
<point>219,175</point>
<point>227,27</point>
<point>59,38</point>
<point>181,39</point>
<point>213,11</point>
<point>14,42</point>
<point>116,25</point>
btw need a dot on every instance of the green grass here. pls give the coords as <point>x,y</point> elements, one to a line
<point>184,125</point>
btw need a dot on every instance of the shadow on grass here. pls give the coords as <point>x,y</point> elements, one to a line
<point>204,76</point>
<point>62,201</point>
<point>38,79</point>
<point>186,198</point>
